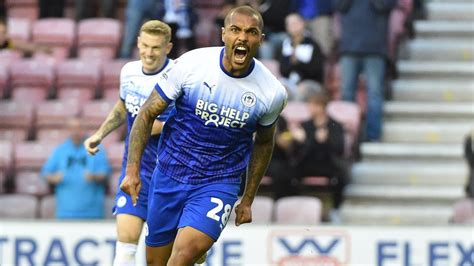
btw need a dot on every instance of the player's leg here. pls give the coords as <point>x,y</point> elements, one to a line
<point>158,256</point>
<point>190,245</point>
<point>129,228</point>
<point>205,215</point>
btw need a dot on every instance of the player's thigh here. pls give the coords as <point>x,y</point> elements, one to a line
<point>129,228</point>
<point>191,243</point>
<point>158,256</point>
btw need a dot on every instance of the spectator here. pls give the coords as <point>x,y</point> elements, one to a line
<point>7,43</point>
<point>135,13</point>
<point>321,149</point>
<point>305,89</point>
<point>469,155</point>
<point>318,17</point>
<point>281,165</point>
<point>300,57</point>
<point>51,8</point>
<point>363,48</point>
<point>87,9</point>
<point>78,179</point>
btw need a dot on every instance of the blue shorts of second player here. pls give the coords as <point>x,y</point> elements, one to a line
<point>174,205</point>
<point>123,201</point>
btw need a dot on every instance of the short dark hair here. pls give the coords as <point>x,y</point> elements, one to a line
<point>246,10</point>
<point>320,96</point>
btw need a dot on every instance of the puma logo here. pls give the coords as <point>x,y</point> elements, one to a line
<point>207,85</point>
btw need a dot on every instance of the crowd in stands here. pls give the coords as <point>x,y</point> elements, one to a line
<point>318,49</point>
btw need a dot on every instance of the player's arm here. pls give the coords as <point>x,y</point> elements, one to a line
<point>114,119</point>
<point>157,127</point>
<point>261,155</point>
<point>139,136</point>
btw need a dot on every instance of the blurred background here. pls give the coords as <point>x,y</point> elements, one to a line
<point>376,139</point>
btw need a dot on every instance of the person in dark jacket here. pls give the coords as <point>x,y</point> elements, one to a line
<point>300,56</point>
<point>321,149</point>
<point>363,48</point>
<point>469,155</point>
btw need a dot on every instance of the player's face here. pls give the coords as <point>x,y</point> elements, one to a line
<point>242,38</point>
<point>3,33</point>
<point>153,50</point>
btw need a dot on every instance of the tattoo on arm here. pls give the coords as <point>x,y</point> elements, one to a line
<point>261,155</point>
<point>114,119</point>
<point>142,126</point>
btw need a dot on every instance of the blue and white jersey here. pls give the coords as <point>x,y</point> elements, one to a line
<point>135,88</point>
<point>209,136</point>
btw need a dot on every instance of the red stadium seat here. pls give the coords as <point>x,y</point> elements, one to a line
<point>57,33</point>
<point>30,156</point>
<point>272,65</point>
<point>30,183</point>
<point>28,9</point>
<point>262,211</point>
<point>115,154</point>
<point>32,74</point>
<point>16,115</point>
<point>95,112</point>
<point>463,212</point>
<point>18,206</point>
<point>13,135</point>
<point>19,29</point>
<point>8,56</point>
<point>56,135</point>
<point>295,112</point>
<point>78,75</point>
<point>349,115</point>
<point>99,38</point>
<point>29,95</point>
<point>111,75</point>
<point>298,210</point>
<point>47,207</point>
<point>53,114</point>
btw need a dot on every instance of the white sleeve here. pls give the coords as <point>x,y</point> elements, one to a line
<point>277,105</point>
<point>169,84</point>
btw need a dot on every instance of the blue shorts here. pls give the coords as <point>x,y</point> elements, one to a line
<point>174,205</point>
<point>123,201</point>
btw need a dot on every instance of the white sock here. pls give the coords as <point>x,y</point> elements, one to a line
<point>125,254</point>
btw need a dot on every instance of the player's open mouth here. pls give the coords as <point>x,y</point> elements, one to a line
<point>240,54</point>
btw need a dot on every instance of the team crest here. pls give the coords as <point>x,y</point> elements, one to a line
<point>249,99</point>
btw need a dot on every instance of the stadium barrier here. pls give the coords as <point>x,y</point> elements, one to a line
<point>92,243</point>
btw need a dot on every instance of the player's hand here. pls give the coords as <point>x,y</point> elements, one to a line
<point>243,213</point>
<point>92,144</point>
<point>131,184</point>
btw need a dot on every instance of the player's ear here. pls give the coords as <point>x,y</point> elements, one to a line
<point>169,46</point>
<point>138,42</point>
<point>222,33</point>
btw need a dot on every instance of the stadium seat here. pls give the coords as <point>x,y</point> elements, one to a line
<point>8,56</point>
<point>298,210</point>
<point>57,33</point>
<point>313,183</point>
<point>262,210</point>
<point>94,113</point>
<point>31,155</point>
<point>80,76</point>
<point>115,152</point>
<point>463,211</point>
<point>56,135</point>
<point>20,206</point>
<point>13,135</point>
<point>53,114</point>
<point>27,182</point>
<point>16,115</point>
<point>349,115</point>
<point>47,207</point>
<point>99,38</point>
<point>19,29</point>
<point>28,9</point>
<point>110,79</point>
<point>31,76</point>
<point>295,113</point>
